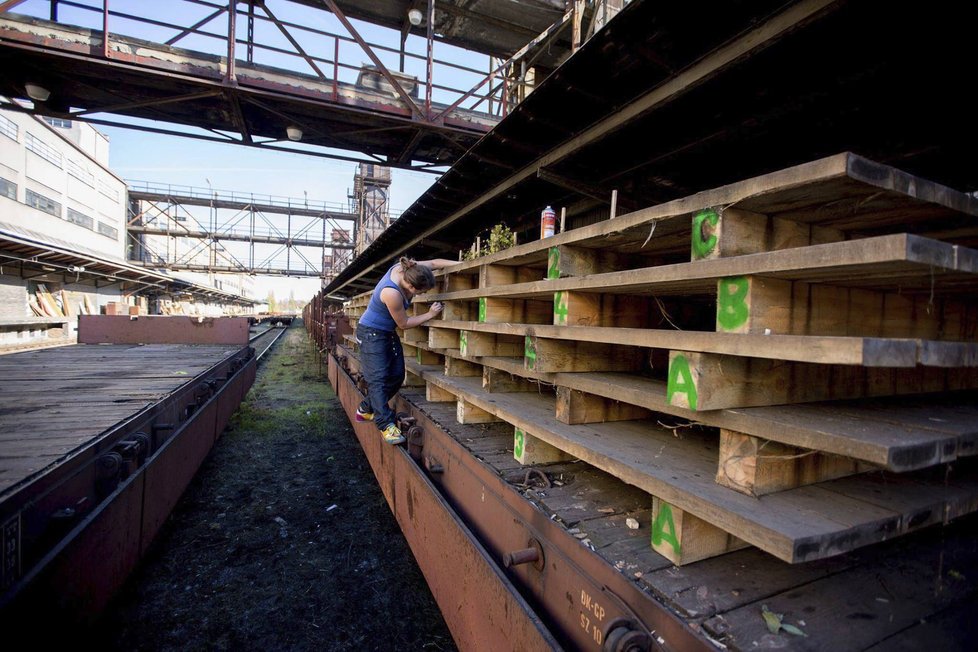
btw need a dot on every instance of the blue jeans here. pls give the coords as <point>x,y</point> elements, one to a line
<point>382,365</point>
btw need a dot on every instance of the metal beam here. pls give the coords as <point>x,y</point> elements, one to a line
<point>199,23</point>
<point>116,108</point>
<point>710,65</point>
<point>415,109</point>
<point>10,4</point>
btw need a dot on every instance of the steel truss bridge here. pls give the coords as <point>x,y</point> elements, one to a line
<point>278,235</point>
<point>257,77</point>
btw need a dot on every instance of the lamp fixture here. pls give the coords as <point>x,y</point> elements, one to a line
<point>415,16</point>
<point>293,132</point>
<point>36,92</point>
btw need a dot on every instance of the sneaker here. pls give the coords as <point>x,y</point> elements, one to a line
<point>392,435</point>
<point>364,416</point>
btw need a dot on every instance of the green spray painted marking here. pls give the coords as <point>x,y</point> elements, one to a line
<point>482,309</point>
<point>553,263</point>
<point>519,441</point>
<point>463,342</point>
<point>702,247</point>
<point>419,356</point>
<point>561,309</point>
<point>664,528</point>
<point>732,310</point>
<point>679,366</point>
<point>530,352</point>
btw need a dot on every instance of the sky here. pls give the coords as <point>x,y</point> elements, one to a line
<point>164,159</point>
<point>142,156</point>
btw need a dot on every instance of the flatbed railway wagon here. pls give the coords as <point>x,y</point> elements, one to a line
<point>98,440</point>
<point>753,428</point>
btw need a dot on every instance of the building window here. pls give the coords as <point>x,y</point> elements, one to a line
<point>42,149</point>
<point>110,231</point>
<point>76,170</point>
<point>58,122</point>
<point>42,203</point>
<point>9,128</point>
<point>80,219</point>
<point>8,189</point>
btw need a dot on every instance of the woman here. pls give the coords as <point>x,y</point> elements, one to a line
<point>381,355</point>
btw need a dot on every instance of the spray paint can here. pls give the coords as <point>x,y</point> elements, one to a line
<point>548,218</point>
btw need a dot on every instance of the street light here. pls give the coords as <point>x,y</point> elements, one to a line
<point>415,16</point>
<point>37,92</point>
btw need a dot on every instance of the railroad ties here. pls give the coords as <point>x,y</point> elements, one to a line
<point>787,362</point>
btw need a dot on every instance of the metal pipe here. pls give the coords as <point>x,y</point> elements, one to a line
<point>105,28</point>
<point>517,557</point>
<point>429,80</point>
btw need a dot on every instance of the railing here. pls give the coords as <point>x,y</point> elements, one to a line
<point>282,42</point>
<point>178,191</point>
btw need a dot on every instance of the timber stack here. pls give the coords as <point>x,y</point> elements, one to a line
<point>788,362</point>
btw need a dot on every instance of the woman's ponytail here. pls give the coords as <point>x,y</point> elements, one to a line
<point>421,277</point>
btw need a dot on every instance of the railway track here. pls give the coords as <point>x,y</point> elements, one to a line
<point>264,336</point>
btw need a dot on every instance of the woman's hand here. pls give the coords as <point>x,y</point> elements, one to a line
<point>435,309</point>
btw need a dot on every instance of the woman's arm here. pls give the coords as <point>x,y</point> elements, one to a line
<point>394,302</point>
<point>438,263</point>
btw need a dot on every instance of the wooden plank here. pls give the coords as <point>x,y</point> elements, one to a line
<point>529,450</point>
<point>609,310</point>
<point>459,367</point>
<point>706,381</point>
<point>725,594</point>
<point>547,355</point>
<point>844,191</point>
<point>442,338</point>
<point>426,357</point>
<point>419,334</point>
<point>522,311</point>
<point>437,394</point>
<point>458,280</point>
<point>494,381</point>
<point>796,525</point>
<point>459,310</point>
<point>477,344</point>
<point>865,351</point>
<point>567,260</point>
<point>883,262</point>
<point>753,304</point>
<point>719,233</point>
<point>411,380</point>
<point>491,275</point>
<point>683,538</point>
<point>580,407</point>
<point>903,435</point>
<point>889,593</point>
<point>756,466</point>
<point>468,413</point>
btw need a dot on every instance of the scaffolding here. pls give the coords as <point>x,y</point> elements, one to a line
<point>371,194</point>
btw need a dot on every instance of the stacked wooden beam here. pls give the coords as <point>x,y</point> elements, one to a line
<point>786,362</point>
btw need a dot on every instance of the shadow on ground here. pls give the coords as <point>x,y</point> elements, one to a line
<point>283,541</point>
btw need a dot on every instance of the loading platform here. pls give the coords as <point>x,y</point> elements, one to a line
<point>97,443</point>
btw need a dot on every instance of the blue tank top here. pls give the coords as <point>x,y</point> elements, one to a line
<point>377,315</point>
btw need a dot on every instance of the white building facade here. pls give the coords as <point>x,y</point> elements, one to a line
<point>57,192</point>
<point>55,181</point>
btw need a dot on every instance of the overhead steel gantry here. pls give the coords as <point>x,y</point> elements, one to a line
<point>310,93</point>
<point>295,230</point>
